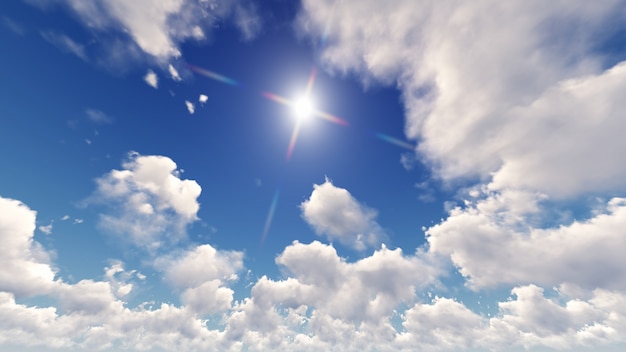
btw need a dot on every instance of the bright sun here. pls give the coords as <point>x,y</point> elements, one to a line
<point>303,108</point>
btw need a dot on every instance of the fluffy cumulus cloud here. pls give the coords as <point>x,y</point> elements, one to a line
<point>334,212</point>
<point>201,274</point>
<point>494,241</point>
<point>148,201</point>
<point>158,29</point>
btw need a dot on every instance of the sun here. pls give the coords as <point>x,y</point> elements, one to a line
<point>303,108</point>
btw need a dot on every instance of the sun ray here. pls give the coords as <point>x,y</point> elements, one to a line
<point>331,118</point>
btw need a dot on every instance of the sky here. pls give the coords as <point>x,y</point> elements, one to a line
<point>312,175</point>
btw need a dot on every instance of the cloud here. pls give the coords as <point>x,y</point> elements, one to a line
<point>47,229</point>
<point>517,91</point>
<point>65,44</point>
<point>148,201</point>
<point>174,73</point>
<point>333,211</point>
<point>98,117</point>
<point>158,30</point>
<point>190,107</point>
<point>25,265</point>
<point>323,303</point>
<point>203,98</point>
<point>201,274</point>
<point>151,79</point>
<point>13,26</point>
<point>495,241</point>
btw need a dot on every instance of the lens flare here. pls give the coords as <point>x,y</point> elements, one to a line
<point>394,141</point>
<point>270,214</point>
<point>213,75</point>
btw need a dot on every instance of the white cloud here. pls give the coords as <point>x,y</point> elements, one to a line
<point>159,29</point>
<point>324,303</point>
<point>174,73</point>
<point>65,44</point>
<point>65,218</point>
<point>200,264</point>
<point>47,229</point>
<point>151,79</point>
<point>190,107</point>
<point>98,117</point>
<point>203,98</point>
<point>25,265</point>
<point>149,202</point>
<point>495,241</point>
<point>333,211</point>
<point>512,89</point>
<point>368,289</point>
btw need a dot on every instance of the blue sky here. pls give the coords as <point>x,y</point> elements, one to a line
<point>457,186</point>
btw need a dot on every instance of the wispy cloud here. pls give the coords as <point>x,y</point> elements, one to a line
<point>13,26</point>
<point>65,44</point>
<point>98,117</point>
<point>159,30</point>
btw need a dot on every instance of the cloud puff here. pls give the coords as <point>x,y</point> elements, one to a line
<point>333,211</point>
<point>151,79</point>
<point>201,275</point>
<point>190,107</point>
<point>149,202</point>
<point>174,73</point>
<point>203,98</point>
<point>517,90</point>
<point>158,30</point>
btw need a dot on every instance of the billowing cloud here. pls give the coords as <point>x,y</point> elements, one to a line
<point>149,202</point>
<point>489,89</point>
<point>332,211</point>
<point>201,274</point>
<point>323,303</point>
<point>494,241</point>
<point>151,79</point>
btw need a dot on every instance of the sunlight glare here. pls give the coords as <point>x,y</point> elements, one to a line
<point>303,108</point>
